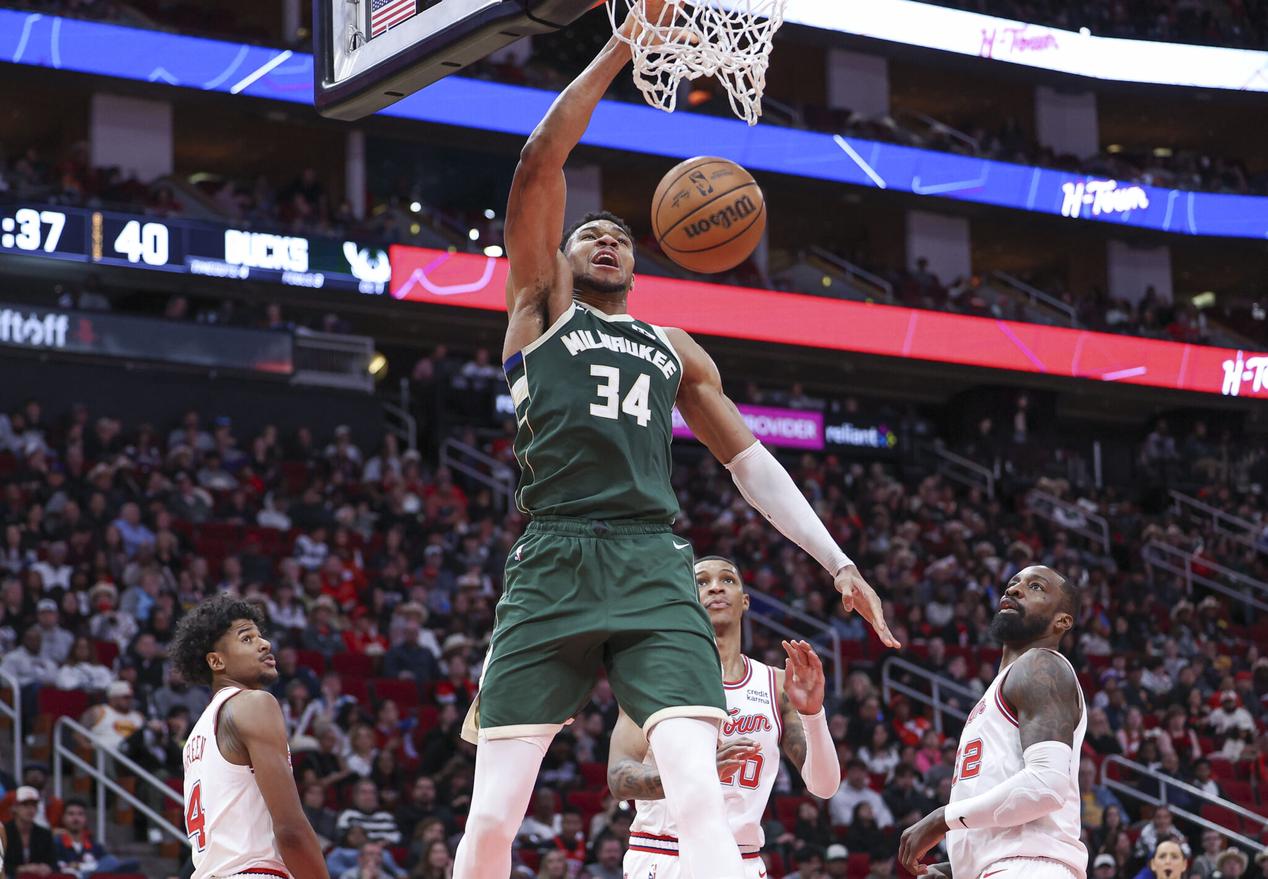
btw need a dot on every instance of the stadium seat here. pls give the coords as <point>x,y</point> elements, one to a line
<point>1222,769</point>
<point>786,809</point>
<point>403,692</point>
<point>354,664</point>
<point>594,774</point>
<point>53,703</point>
<point>356,686</point>
<point>777,866</point>
<point>313,660</point>
<point>530,857</point>
<point>107,652</point>
<point>858,865</point>
<point>1240,792</point>
<point>1222,816</point>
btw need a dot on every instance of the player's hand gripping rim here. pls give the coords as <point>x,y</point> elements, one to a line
<point>858,596</point>
<point>803,677</point>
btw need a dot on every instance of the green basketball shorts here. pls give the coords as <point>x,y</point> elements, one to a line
<point>581,594</point>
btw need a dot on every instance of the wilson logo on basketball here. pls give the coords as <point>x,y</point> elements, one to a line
<point>725,218</point>
<point>743,725</point>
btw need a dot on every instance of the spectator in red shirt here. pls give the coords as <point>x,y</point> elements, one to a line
<point>339,582</point>
<point>364,635</point>
<point>456,688</point>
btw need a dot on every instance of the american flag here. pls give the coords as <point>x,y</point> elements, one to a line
<point>389,13</point>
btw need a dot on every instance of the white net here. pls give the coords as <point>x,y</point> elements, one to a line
<point>726,39</point>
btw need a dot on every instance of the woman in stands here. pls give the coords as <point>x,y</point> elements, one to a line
<point>81,671</point>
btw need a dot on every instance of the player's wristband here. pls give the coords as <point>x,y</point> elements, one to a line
<point>822,770</point>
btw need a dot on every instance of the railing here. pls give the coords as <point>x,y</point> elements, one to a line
<point>965,471</point>
<point>939,127</point>
<point>1231,583</point>
<point>871,284</point>
<point>1037,296</point>
<point>105,778</point>
<point>14,713</point>
<point>938,685</point>
<point>1166,784</point>
<point>399,419</point>
<point>832,653</point>
<point>332,360</point>
<point>1225,523</point>
<point>484,469</point>
<point>1071,517</point>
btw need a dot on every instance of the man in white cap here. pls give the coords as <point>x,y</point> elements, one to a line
<point>836,861</point>
<point>117,719</point>
<point>56,643</point>
<point>1104,866</point>
<point>28,844</point>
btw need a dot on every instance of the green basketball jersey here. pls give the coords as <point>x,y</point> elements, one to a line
<point>593,401</point>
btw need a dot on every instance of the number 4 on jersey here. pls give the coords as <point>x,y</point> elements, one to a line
<point>196,818</point>
<point>635,402</point>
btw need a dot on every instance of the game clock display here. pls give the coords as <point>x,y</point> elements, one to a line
<point>192,247</point>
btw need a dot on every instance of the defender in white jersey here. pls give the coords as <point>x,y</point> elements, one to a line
<point>1014,806</point>
<point>770,709</point>
<point>242,811</point>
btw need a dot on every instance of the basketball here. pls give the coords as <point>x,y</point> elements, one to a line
<point>708,214</point>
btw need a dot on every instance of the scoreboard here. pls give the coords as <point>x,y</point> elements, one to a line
<point>193,247</point>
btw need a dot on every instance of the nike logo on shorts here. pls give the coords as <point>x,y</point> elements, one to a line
<point>678,545</point>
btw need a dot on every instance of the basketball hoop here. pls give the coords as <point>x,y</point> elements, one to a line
<point>726,39</point>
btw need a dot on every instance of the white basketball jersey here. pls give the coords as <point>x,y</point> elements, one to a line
<point>990,754</point>
<point>229,826</point>
<point>753,705</point>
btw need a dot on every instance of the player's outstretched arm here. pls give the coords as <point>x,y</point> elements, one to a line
<point>535,210</point>
<point>1043,689</point>
<point>806,740</point>
<point>253,721</point>
<point>764,483</point>
<point>629,778</point>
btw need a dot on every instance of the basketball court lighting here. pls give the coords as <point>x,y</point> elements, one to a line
<point>489,213</point>
<point>415,206</point>
<point>493,250</point>
<point>474,234</point>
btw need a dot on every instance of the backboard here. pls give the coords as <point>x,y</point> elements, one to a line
<point>368,54</point>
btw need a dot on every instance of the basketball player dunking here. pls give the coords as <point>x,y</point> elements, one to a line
<point>768,709</point>
<point>599,579</point>
<point>242,811</point>
<point>1014,807</point>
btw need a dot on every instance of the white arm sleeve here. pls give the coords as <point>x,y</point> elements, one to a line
<point>770,490</point>
<point>1043,786</point>
<point>822,771</point>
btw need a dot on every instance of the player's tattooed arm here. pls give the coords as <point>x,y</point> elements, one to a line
<point>629,778</point>
<point>793,741</point>
<point>634,780</point>
<point>1043,689</point>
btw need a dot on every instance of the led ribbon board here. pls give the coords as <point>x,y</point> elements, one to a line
<point>210,65</point>
<point>466,280</point>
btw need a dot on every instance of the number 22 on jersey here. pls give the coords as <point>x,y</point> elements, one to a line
<point>969,760</point>
<point>634,403</point>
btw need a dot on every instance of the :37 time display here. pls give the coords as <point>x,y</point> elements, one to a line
<point>32,230</point>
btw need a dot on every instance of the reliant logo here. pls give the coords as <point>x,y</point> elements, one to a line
<point>260,250</point>
<point>1102,197</point>
<point>847,434</point>
<point>33,330</point>
<point>1245,369</point>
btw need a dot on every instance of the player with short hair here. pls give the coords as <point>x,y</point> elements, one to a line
<point>242,810</point>
<point>598,578</point>
<point>768,710</point>
<point>1015,806</point>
